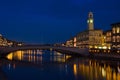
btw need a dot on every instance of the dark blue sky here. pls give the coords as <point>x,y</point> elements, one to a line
<point>50,21</point>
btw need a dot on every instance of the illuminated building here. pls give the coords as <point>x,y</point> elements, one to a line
<point>95,39</point>
<point>107,38</point>
<point>116,35</point>
<point>74,42</point>
<point>71,42</point>
<point>6,42</point>
<point>3,41</point>
<point>91,38</point>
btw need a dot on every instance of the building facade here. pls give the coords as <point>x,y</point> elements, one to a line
<point>107,39</point>
<point>89,39</point>
<point>95,38</point>
<point>82,39</point>
<point>6,42</point>
<point>115,36</point>
<point>71,42</point>
<point>3,41</point>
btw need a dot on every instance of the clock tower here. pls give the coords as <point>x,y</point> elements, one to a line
<point>90,21</point>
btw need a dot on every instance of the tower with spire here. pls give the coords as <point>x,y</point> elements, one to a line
<point>90,21</point>
<point>90,38</point>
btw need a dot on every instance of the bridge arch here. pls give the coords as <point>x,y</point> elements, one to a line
<point>4,51</point>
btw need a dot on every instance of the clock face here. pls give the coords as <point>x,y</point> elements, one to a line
<point>88,21</point>
<point>91,21</point>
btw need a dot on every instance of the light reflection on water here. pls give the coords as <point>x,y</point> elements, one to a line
<point>65,67</point>
<point>37,56</point>
<point>97,71</point>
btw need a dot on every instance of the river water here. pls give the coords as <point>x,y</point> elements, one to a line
<point>51,65</point>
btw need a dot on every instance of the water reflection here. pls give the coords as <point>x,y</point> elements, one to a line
<point>3,75</point>
<point>94,70</point>
<point>37,56</point>
<point>72,68</point>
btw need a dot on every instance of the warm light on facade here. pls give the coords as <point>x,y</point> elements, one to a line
<point>113,38</point>
<point>116,35</point>
<point>113,30</point>
<point>74,42</point>
<point>118,38</point>
<point>96,47</point>
<point>104,47</point>
<point>20,44</point>
<point>90,46</point>
<point>109,47</point>
<point>118,30</point>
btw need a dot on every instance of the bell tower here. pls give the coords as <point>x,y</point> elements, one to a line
<point>90,21</point>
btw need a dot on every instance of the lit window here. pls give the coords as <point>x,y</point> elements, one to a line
<point>113,46</point>
<point>110,34</point>
<point>113,38</point>
<point>113,30</point>
<point>118,30</point>
<point>118,39</point>
<point>107,34</point>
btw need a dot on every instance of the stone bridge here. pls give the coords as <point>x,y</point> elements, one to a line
<point>4,51</point>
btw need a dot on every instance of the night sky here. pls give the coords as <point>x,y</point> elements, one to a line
<point>52,21</point>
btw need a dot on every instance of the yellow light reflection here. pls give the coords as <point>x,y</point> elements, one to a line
<point>95,71</point>
<point>67,57</point>
<point>29,58</point>
<point>75,69</point>
<point>10,56</point>
<point>19,55</point>
<point>114,76</point>
<point>103,72</point>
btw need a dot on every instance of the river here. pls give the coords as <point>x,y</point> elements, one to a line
<point>52,65</point>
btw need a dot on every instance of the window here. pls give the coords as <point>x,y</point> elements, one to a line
<point>109,33</point>
<point>113,30</point>
<point>118,38</point>
<point>113,38</point>
<point>113,46</point>
<point>110,39</point>
<point>117,30</point>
